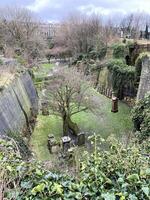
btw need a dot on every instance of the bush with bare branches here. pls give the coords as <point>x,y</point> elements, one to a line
<point>19,29</point>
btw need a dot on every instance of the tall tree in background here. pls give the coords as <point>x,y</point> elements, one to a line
<point>146,32</point>
<point>133,23</point>
<point>20,30</point>
<point>80,34</point>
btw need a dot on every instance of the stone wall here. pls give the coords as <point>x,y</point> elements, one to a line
<point>144,85</point>
<point>136,50</point>
<point>18,102</point>
<point>105,78</point>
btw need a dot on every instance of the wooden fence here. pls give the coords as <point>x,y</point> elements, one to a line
<point>105,91</point>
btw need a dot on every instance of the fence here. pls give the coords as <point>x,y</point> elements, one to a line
<point>129,97</point>
<point>105,91</point>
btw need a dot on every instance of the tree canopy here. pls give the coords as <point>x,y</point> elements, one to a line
<point>68,93</point>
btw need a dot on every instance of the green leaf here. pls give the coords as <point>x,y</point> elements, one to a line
<point>132,197</point>
<point>108,181</point>
<point>9,168</point>
<point>145,189</point>
<point>133,178</point>
<point>1,156</point>
<point>38,172</point>
<point>120,195</point>
<point>12,194</point>
<point>57,188</point>
<point>145,172</point>
<point>38,188</point>
<point>26,184</point>
<point>108,196</point>
<point>120,180</point>
<point>78,195</point>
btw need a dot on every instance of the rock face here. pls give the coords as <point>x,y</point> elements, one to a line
<point>144,85</point>
<point>18,102</point>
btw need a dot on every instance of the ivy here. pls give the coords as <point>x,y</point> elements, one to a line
<point>131,44</point>
<point>117,173</point>
<point>138,64</point>
<point>22,145</point>
<point>141,57</point>
<point>99,53</point>
<point>119,50</point>
<point>141,118</point>
<point>122,74</point>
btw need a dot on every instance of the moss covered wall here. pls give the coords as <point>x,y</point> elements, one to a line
<point>18,102</point>
<point>144,86</point>
<point>105,78</point>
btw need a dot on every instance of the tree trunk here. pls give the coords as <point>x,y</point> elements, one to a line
<point>69,126</point>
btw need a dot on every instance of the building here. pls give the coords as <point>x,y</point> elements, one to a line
<point>48,30</point>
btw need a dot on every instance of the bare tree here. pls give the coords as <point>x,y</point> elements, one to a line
<point>20,30</point>
<point>68,94</point>
<point>80,33</point>
<point>133,23</point>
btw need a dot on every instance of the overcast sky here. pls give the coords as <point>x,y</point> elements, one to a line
<point>55,10</point>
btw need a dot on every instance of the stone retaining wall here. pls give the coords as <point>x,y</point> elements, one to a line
<point>18,102</point>
<point>144,86</point>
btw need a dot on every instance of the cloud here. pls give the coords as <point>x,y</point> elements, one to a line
<point>143,5</point>
<point>58,9</point>
<point>92,9</point>
<point>39,5</point>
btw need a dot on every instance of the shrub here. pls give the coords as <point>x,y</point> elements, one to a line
<point>119,50</point>
<point>20,142</point>
<point>21,60</point>
<point>124,40</point>
<point>98,53</point>
<point>48,56</point>
<point>138,62</point>
<point>118,173</point>
<point>131,44</point>
<point>141,118</point>
<point>122,75</point>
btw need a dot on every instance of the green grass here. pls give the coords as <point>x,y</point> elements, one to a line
<point>103,123</point>
<point>42,71</point>
<point>45,125</point>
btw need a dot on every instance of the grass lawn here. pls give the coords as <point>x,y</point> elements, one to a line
<point>45,125</point>
<point>43,70</point>
<point>104,123</point>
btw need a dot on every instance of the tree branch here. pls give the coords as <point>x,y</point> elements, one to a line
<point>84,109</point>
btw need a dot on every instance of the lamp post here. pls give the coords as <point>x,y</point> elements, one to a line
<point>114,104</point>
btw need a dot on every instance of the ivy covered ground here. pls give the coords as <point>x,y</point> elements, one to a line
<point>119,173</point>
